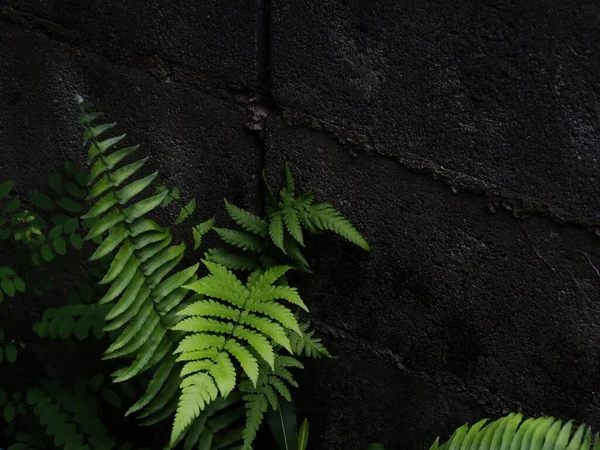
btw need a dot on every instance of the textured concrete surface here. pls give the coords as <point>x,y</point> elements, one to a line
<point>497,313</point>
<point>462,138</point>
<point>223,39</point>
<point>199,143</point>
<point>490,95</point>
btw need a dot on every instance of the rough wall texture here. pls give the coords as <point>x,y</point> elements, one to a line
<point>462,138</point>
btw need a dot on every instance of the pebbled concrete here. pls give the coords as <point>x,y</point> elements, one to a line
<point>501,312</point>
<point>490,95</point>
<point>198,142</point>
<point>224,39</point>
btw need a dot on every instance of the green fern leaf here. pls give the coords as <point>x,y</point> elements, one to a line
<point>292,224</point>
<point>197,391</point>
<point>233,261</point>
<point>326,218</point>
<point>276,230</point>
<point>247,361</point>
<point>247,221</point>
<point>239,239</point>
<point>304,342</point>
<point>258,342</point>
<point>186,212</point>
<point>200,230</point>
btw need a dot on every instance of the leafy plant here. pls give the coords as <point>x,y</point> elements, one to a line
<point>513,432</point>
<point>220,340</point>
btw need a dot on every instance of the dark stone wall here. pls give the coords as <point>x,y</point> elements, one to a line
<point>461,137</point>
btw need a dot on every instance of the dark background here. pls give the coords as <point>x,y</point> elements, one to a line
<point>461,137</point>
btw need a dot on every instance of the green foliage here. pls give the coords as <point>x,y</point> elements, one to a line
<point>234,322</point>
<point>514,432</point>
<point>279,237</point>
<point>144,290</point>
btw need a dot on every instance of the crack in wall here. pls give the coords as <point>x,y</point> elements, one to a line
<point>261,106</point>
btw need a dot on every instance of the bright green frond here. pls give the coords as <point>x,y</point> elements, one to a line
<point>276,229</point>
<point>200,341</point>
<point>200,230</point>
<point>246,360</point>
<point>197,392</point>
<point>258,342</point>
<point>276,312</point>
<point>292,224</point>
<point>202,324</point>
<point>303,341</point>
<point>266,293</point>
<point>326,218</point>
<point>268,328</point>
<point>247,221</point>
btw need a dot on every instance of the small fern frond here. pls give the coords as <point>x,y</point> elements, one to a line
<point>292,224</point>
<point>240,239</point>
<point>186,212</point>
<point>304,342</point>
<point>276,229</point>
<point>264,394</point>
<point>233,261</point>
<point>326,218</point>
<point>247,221</point>
<point>200,230</point>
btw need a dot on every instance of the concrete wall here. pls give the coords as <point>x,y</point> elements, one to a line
<point>462,137</point>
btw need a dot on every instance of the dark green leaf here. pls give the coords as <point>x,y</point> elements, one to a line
<point>81,178</point>
<point>71,225</point>
<point>12,205</point>
<point>111,397</point>
<point>96,382</point>
<point>70,205</point>
<point>60,246</point>
<point>8,413</point>
<point>5,188</point>
<point>283,425</point>
<point>70,168</point>
<point>76,241</point>
<point>76,190</point>
<point>65,327</point>
<point>7,286</point>
<point>10,351</point>
<point>303,435</point>
<point>19,284</point>
<point>42,201</point>
<point>47,252</point>
<point>55,232</point>
<point>55,182</point>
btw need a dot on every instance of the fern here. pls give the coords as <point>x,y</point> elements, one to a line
<point>279,237</point>
<point>517,434</point>
<point>305,343</point>
<point>235,323</point>
<point>144,291</point>
<point>265,393</point>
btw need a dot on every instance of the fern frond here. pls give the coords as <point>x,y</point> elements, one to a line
<point>304,342</point>
<point>233,261</point>
<point>200,230</point>
<point>240,239</point>
<point>186,212</point>
<point>228,327</point>
<point>276,229</point>
<point>247,221</point>
<point>144,287</point>
<point>326,218</point>
<point>292,224</point>
<point>513,432</point>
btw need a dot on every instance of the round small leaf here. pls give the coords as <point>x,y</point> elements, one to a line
<point>42,201</point>
<point>7,286</point>
<point>68,204</point>
<point>60,246</point>
<point>71,225</point>
<point>70,168</point>
<point>46,252</point>
<point>76,241</point>
<point>55,232</point>
<point>81,178</point>
<point>55,182</point>
<point>75,191</point>
<point>12,205</point>
<point>41,329</point>
<point>10,351</point>
<point>8,413</point>
<point>65,327</point>
<point>81,328</point>
<point>96,382</point>
<point>19,284</point>
<point>5,188</point>
<point>111,397</point>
